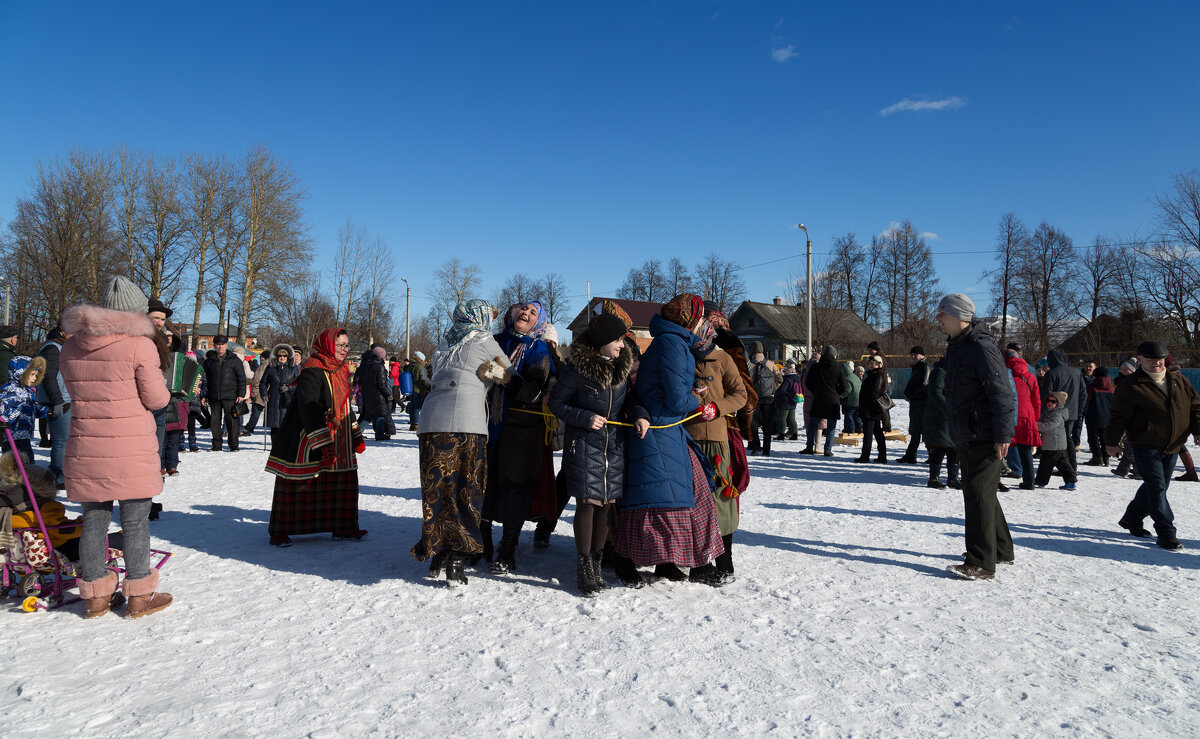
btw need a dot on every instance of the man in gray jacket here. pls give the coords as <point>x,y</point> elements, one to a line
<point>979,399</point>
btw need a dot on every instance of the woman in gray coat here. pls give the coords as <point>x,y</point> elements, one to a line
<point>453,439</point>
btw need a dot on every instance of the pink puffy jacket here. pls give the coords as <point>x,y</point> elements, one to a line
<point>111,368</point>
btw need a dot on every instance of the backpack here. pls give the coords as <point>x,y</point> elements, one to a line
<point>764,380</point>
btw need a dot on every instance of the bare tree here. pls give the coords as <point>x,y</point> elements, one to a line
<point>553,289</point>
<point>1169,280</point>
<point>277,245</point>
<point>207,208</point>
<point>348,272</point>
<point>1045,285</point>
<point>1179,210</point>
<point>647,282</point>
<point>379,269</point>
<point>845,269</point>
<point>453,282</point>
<point>911,284</point>
<point>304,312</point>
<point>1011,243</point>
<point>719,282</point>
<point>1098,268</point>
<point>677,277</point>
<point>519,288</point>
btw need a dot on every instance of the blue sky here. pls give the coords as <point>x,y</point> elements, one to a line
<point>584,138</point>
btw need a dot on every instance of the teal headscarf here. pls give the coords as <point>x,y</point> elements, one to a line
<point>468,316</point>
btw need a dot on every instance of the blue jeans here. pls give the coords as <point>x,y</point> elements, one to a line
<point>58,443</point>
<point>1015,462</point>
<point>852,423</point>
<point>414,408</point>
<point>170,450</point>
<point>1150,500</point>
<point>811,430</point>
<point>135,525</point>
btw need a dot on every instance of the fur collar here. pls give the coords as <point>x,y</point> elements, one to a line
<point>96,321</point>
<point>588,362</point>
<point>42,484</point>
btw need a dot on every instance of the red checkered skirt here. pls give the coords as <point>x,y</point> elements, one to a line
<point>688,537</point>
<point>328,502</point>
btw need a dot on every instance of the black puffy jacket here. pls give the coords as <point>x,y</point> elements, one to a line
<point>376,387</point>
<point>226,379</point>
<point>917,388</point>
<point>825,383</point>
<point>979,389</point>
<point>593,464</point>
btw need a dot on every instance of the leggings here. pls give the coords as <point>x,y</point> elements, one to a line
<point>591,527</point>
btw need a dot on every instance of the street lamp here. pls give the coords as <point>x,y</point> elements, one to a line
<point>808,300</point>
<point>407,297</point>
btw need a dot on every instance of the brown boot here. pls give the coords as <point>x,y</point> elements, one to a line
<point>143,600</point>
<point>100,596</point>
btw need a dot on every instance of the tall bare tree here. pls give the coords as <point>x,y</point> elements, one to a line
<point>553,289</point>
<point>647,282</point>
<point>518,288</point>
<point>911,284</point>
<point>378,286</point>
<point>1011,243</point>
<point>277,244</point>
<point>453,282</point>
<point>1179,210</point>
<point>677,277</point>
<point>719,282</point>
<point>348,268</point>
<point>208,206</point>
<point>1046,285</point>
<point>1099,265</point>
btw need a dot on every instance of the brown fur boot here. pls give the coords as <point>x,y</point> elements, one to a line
<point>143,600</point>
<point>100,596</point>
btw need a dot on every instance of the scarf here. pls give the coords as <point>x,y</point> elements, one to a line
<point>718,319</point>
<point>524,340</point>
<point>468,316</point>
<point>684,310</point>
<point>608,306</point>
<point>338,373</point>
<point>705,336</point>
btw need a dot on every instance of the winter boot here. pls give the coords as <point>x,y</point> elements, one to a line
<point>597,571</point>
<point>1188,477</point>
<point>670,572</point>
<point>541,534</point>
<point>436,563</point>
<point>142,598</point>
<point>506,554</point>
<point>862,460</point>
<point>100,596</point>
<point>628,572</point>
<point>583,575</point>
<point>454,569</point>
<point>485,533</point>
<point>706,575</point>
<point>936,484</point>
<point>1134,528</point>
<point>954,482</point>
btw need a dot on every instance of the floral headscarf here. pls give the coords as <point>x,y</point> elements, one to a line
<point>468,316</point>
<point>534,333</point>
<point>684,309</point>
<point>608,306</point>
<point>718,319</point>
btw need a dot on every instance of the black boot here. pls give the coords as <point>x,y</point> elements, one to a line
<point>597,572</point>
<point>541,534</point>
<point>670,572</point>
<point>724,562</point>
<point>706,575</point>
<point>454,569</point>
<point>436,563</point>
<point>583,575</point>
<point>506,554</point>
<point>628,572</point>
<point>936,484</point>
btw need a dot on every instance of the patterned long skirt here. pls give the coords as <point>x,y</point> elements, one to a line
<point>328,502</point>
<point>725,496</point>
<point>688,537</point>
<point>453,477</point>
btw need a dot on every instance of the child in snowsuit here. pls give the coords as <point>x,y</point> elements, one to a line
<point>18,402</point>
<point>1054,442</point>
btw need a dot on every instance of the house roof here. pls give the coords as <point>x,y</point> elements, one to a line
<point>640,312</point>
<point>789,322</point>
<point>212,329</point>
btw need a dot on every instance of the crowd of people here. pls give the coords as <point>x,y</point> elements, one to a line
<point>654,442</point>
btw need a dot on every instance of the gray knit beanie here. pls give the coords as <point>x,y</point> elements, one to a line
<point>828,351</point>
<point>121,294</point>
<point>958,306</point>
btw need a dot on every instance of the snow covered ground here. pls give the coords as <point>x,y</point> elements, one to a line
<point>842,622</point>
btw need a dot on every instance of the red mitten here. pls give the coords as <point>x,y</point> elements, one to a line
<point>361,446</point>
<point>328,456</point>
<point>708,411</point>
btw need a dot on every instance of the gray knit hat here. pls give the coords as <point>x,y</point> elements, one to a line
<point>121,294</point>
<point>958,306</point>
<point>828,351</point>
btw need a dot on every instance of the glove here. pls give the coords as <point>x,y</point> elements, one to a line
<point>361,446</point>
<point>328,456</point>
<point>494,370</point>
<point>56,411</point>
<point>708,411</point>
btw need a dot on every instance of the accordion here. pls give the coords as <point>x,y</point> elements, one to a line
<point>183,375</point>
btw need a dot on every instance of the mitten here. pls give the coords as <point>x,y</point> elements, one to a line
<point>708,411</point>
<point>328,456</point>
<point>494,370</point>
<point>361,446</point>
<point>56,411</point>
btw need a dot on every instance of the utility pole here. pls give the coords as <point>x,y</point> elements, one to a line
<point>407,304</point>
<point>808,299</point>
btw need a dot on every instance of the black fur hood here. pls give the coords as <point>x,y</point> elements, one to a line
<point>608,373</point>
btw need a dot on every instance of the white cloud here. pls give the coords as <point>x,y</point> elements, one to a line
<point>782,54</point>
<point>929,236</point>
<point>892,229</point>
<point>908,105</point>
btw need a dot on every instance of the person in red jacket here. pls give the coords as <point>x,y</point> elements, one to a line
<point>1029,412</point>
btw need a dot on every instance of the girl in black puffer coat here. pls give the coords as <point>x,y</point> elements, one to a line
<point>591,392</point>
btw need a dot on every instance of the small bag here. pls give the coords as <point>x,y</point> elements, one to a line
<point>886,402</point>
<point>242,408</point>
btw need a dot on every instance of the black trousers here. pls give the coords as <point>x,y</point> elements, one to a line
<point>936,455</point>
<point>1051,459</point>
<point>1097,441</point>
<point>873,428</point>
<point>762,422</point>
<point>988,538</point>
<point>1072,428</point>
<point>227,410</point>
<point>916,425</point>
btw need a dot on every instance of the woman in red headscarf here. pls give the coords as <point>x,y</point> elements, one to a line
<point>314,456</point>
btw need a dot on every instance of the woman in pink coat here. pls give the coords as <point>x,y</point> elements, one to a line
<point>113,371</point>
<point>1029,411</point>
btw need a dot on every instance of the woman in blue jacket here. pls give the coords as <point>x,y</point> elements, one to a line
<point>667,516</point>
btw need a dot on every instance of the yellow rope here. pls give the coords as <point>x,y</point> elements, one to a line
<point>611,423</point>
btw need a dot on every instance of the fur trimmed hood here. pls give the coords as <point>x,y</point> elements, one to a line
<point>286,348</point>
<point>19,369</point>
<point>609,373</point>
<point>96,321</point>
<point>40,479</point>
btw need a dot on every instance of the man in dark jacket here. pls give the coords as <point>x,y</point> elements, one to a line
<point>8,345</point>
<point>825,383</point>
<point>915,392</point>
<point>1069,380</point>
<point>762,373</point>
<point>376,388</point>
<point>53,393</point>
<point>1156,409</point>
<point>979,401</point>
<point>226,389</point>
